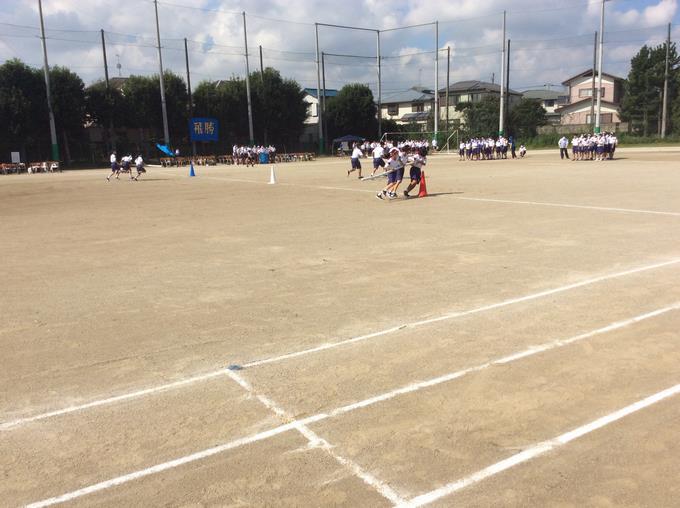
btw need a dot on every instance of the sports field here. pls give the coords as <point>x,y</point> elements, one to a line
<point>511,340</point>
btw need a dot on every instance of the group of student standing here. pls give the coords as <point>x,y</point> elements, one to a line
<point>490,148</point>
<point>393,159</point>
<point>589,147</point>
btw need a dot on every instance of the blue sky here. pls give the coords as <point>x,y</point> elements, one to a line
<point>551,39</point>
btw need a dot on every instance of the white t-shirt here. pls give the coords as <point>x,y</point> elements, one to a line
<point>113,158</point>
<point>139,161</point>
<point>356,153</point>
<point>378,152</point>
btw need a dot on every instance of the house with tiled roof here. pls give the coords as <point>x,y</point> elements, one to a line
<point>581,101</point>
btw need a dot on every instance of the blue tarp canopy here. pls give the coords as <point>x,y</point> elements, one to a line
<point>165,150</point>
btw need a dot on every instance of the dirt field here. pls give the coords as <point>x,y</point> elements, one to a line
<point>510,340</point>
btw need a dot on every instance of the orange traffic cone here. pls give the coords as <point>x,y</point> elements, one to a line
<point>422,192</point>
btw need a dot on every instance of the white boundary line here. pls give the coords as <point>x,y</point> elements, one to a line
<point>323,347</point>
<point>454,315</point>
<point>538,449</point>
<point>317,442</point>
<point>228,179</point>
<point>564,205</point>
<point>297,424</point>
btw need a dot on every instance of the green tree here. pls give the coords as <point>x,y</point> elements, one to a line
<point>352,111</point>
<point>143,105</point>
<point>23,110</point>
<point>279,111</point>
<point>525,118</point>
<point>68,103</point>
<point>642,101</point>
<point>480,118</point>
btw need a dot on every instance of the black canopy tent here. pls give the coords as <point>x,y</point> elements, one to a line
<point>345,141</point>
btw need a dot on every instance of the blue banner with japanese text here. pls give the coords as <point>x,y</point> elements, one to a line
<point>204,129</point>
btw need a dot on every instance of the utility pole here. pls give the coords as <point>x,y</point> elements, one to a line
<point>191,102</point>
<point>166,132</point>
<point>436,79</point>
<point>109,109</point>
<point>599,72</point>
<point>448,83</point>
<point>250,106</point>
<point>377,33</point>
<point>319,113</point>
<point>507,81</point>
<point>323,84</point>
<point>664,112</point>
<point>501,119</point>
<point>261,65</point>
<point>46,68</point>
<point>592,94</point>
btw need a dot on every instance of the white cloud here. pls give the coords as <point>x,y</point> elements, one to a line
<point>471,27</point>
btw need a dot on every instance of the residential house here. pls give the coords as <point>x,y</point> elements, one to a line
<point>412,106</point>
<point>310,135</point>
<point>550,100</point>
<point>471,91</point>
<point>580,92</point>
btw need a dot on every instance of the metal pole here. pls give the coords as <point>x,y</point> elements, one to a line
<point>319,114</point>
<point>501,118</point>
<point>106,65</point>
<point>664,112</point>
<point>250,106</point>
<point>436,79</point>
<point>164,108</point>
<point>46,68</point>
<point>507,83</point>
<point>261,65</point>
<point>112,139</point>
<point>191,102</point>
<point>323,95</point>
<point>593,92</point>
<point>599,72</point>
<point>448,83</point>
<point>377,32</point>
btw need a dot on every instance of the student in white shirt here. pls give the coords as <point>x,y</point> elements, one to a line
<point>115,168</point>
<point>356,164</point>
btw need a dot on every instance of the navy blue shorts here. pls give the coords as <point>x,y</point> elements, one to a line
<point>415,174</point>
<point>400,175</point>
<point>114,166</point>
<point>378,162</point>
<point>392,177</point>
<point>356,164</point>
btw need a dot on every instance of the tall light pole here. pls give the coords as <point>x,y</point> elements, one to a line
<point>501,117</point>
<point>436,79</point>
<point>377,33</point>
<point>250,105</point>
<point>319,114</point>
<point>599,71</point>
<point>166,132</point>
<point>664,113</point>
<point>53,129</point>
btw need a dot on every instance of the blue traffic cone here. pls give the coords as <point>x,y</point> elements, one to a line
<point>191,171</point>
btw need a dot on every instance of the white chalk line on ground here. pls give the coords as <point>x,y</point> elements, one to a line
<point>315,441</point>
<point>486,200</point>
<point>566,205</point>
<point>304,422</point>
<point>538,449</point>
<point>324,347</point>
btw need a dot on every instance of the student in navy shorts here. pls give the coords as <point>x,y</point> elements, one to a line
<point>419,160</point>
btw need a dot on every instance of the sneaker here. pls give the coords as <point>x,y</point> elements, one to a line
<point>380,195</point>
<point>392,195</point>
<point>406,194</point>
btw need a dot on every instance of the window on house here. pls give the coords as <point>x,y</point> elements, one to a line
<point>588,92</point>
<point>312,109</point>
<point>549,103</point>
<point>604,118</point>
<point>417,107</point>
<point>393,109</point>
